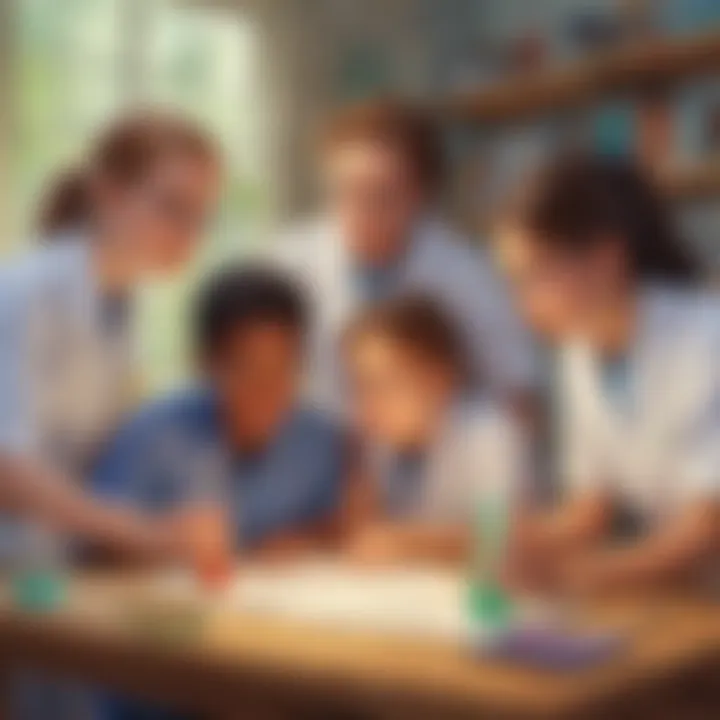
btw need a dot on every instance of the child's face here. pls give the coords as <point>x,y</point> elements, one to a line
<point>256,374</point>
<point>398,398</point>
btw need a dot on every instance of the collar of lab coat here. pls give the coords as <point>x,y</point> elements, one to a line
<point>80,245</point>
<point>69,282</point>
<point>649,361</point>
<point>459,413</point>
<point>338,262</point>
<point>85,298</point>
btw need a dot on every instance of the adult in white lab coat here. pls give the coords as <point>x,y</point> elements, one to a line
<point>597,267</point>
<point>134,209</point>
<point>378,237</point>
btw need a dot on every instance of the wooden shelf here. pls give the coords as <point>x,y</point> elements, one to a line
<point>655,63</point>
<point>701,182</point>
<point>523,98</point>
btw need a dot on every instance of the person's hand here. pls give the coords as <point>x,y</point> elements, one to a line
<point>377,545</point>
<point>526,571</point>
<point>201,537</point>
<point>584,575</point>
<point>518,574</point>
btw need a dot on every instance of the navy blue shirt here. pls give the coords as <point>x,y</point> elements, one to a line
<point>172,451</point>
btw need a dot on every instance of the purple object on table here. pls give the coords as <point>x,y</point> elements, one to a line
<point>553,649</point>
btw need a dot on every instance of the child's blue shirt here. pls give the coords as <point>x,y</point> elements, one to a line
<point>173,451</point>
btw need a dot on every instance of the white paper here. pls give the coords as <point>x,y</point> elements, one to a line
<point>421,602</point>
<point>400,601</point>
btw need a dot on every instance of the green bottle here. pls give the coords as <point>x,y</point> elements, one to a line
<point>489,606</point>
<point>39,590</point>
<point>39,581</point>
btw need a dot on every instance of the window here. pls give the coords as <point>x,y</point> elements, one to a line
<point>78,62</point>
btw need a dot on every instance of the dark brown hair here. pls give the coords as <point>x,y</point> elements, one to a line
<point>399,126</point>
<point>578,199</point>
<point>243,295</point>
<point>123,153</point>
<point>419,324</point>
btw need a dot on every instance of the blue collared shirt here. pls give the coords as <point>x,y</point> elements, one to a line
<point>172,451</point>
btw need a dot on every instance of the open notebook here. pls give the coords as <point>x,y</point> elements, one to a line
<point>407,601</point>
<point>423,602</point>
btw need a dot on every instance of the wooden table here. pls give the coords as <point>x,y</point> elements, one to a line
<point>238,665</point>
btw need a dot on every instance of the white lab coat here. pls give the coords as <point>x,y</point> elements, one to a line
<point>63,381</point>
<point>439,264</point>
<point>663,452</point>
<point>479,455</point>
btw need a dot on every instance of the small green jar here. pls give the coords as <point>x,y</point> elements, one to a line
<point>39,591</point>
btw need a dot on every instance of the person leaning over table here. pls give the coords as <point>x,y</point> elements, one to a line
<point>597,265</point>
<point>239,437</point>
<point>133,210</point>
<point>379,234</point>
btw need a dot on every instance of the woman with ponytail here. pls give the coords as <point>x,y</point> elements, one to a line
<point>135,209</point>
<point>600,271</point>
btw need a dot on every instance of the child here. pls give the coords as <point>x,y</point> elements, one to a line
<point>429,455</point>
<point>596,264</point>
<point>240,439</point>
